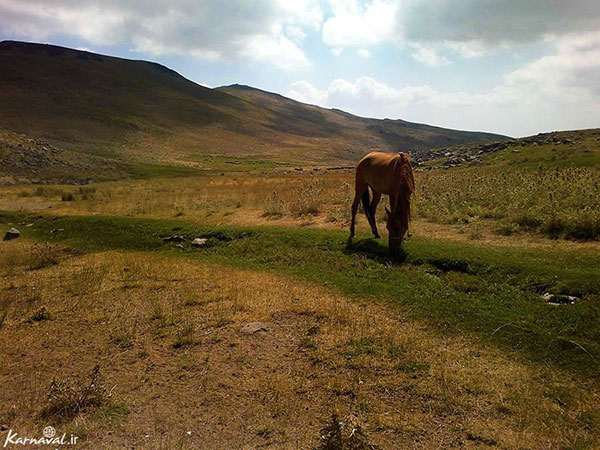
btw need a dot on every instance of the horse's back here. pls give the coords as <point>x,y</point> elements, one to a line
<point>377,159</point>
<point>383,171</point>
<point>377,170</point>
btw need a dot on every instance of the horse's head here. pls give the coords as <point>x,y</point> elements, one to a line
<point>397,226</point>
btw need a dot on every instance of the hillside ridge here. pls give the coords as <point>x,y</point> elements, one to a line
<point>142,111</point>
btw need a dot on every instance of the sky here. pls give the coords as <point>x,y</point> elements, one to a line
<point>513,67</point>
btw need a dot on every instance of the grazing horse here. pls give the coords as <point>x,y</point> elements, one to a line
<point>391,174</point>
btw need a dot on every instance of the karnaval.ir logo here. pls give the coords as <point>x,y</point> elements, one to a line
<point>48,437</point>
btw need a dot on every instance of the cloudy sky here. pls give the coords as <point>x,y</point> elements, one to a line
<point>509,66</point>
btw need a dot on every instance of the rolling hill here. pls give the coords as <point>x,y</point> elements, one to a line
<point>142,112</point>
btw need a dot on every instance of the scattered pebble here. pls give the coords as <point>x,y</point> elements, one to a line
<point>174,239</point>
<point>199,242</point>
<point>254,327</point>
<point>13,233</point>
<point>558,299</point>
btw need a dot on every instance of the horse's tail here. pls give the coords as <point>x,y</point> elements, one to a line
<point>366,201</point>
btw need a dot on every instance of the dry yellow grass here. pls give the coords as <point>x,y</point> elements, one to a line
<point>165,332</point>
<point>277,198</point>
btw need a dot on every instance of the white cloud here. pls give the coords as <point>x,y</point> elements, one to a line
<point>556,91</point>
<point>428,56</point>
<point>467,50</point>
<point>265,30</point>
<point>571,74</point>
<point>305,92</point>
<point>368,94</point>
<point>363,53</point>
<point>353,25</point>
<point>435,29</point>
<point>279,51</point>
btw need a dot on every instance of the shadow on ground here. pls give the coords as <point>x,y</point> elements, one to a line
<point>374,249</point>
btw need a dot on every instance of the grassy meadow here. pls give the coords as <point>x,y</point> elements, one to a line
<point>122,338</point>
<point>556,202</point>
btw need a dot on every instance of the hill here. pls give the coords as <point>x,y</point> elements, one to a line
<point>137,111</point>
<point>575,148</point>
<point>385,134</point>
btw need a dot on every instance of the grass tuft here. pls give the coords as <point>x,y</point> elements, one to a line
<point>68,397</point>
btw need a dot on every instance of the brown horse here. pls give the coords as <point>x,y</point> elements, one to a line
<point>391,174</point>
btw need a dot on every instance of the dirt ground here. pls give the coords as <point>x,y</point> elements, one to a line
<point>177,372</point>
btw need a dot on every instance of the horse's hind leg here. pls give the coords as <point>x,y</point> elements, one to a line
<point>359,189</point>
<point>372,210</point>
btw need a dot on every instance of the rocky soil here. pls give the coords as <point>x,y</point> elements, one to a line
<point>472,155</point>
<point>25,159</point>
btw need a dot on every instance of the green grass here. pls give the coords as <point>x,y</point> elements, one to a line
<point>551,188</point>
<point>557,202</point>
<point>585,154</point>
<point>242,164</point>
<point>456,287</point>
<point>146,171</point>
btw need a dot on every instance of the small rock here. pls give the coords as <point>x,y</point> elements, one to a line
<point>174,239</point>
<point>57,230</point>
<point>180,246</point>
<point>254,327</point>
<point>558,299</point>
<point>13,233</point>
<point>199,242</point>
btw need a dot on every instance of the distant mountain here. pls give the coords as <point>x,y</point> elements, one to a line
<point>141,111</point>
<point>385,134</point>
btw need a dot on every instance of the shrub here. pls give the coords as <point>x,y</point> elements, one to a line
<point>274,207</point>
<point>42,256</point>
<point>307,202</point>
<point>505,228</point>
<point>185,336</point>
<point>346,434</point>
<point>122,338</point>
<point>40,314</point>
<point>528,221</point>
<point>67,398</point>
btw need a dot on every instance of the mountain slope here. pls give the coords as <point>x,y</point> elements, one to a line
<point>141,111</point>
<point>393,135</point>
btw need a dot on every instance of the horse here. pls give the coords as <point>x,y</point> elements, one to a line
<point>391,174</point>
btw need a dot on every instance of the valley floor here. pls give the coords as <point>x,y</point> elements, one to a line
<point>179,373</point>
<point>123,339</point>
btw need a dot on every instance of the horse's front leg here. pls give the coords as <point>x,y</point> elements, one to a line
<point>372,211</point>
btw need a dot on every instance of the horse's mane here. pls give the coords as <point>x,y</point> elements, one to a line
<point>406,186</point>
